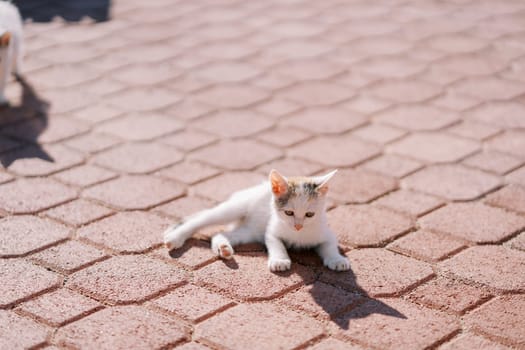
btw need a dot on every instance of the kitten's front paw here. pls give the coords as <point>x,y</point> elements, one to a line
<point>172,238</point>
<point>339,263</point>
<point>279,264</point>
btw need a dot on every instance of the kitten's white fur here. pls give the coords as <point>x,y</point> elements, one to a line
<point>10,55</point>
<point>256,217</point>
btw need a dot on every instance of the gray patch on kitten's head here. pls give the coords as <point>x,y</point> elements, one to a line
<point>298,186</point>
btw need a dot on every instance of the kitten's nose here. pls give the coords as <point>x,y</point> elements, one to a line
<point>298,227</point>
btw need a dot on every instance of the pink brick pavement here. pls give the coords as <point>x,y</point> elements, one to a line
<point>125,126</point>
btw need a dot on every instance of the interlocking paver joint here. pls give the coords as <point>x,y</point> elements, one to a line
<point>130,115</point>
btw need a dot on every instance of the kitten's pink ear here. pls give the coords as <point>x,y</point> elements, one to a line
<point>278,182</point>
<point>322,181</point>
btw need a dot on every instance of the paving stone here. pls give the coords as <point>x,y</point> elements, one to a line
<point>453,182</point>
<point>292,167</point>
<point>126,232</point>
<point>144,100</point>
<point>366,104</point>
<point>277,108</point>
<point>188,109</point>
<point>449,295</point>
<point>419,117</point>
<point>506,115</point>
<point>125,279</point>
<point>92,143</point>
<point>365,226</point>
<point>511,197</point>
<point>138,158</point>
<point>48,130</point>
<point>96,114</point>
<point>390,67</point>
<point>392,165</point>
<point>189,140</point>
<point>221,187</point>
<point>140,127</point>
<point>193,255</point>
<point>40,161</point>
<point>358,186</point>
<point>378,133</point>
<point>471,66</point>
<point>516,177</point>
<point>455,102</point>
<point>321,150</point>
<point>189,172</point>
<point>231,124</point>
<point>325,120</point>
<point>223,72</point>
<point>317,93</point>
<point>400,323</point>
<point>457,43</point>
<point>122,327</point>
<point>78,212</point>
<point>193,303</point>
<point>68,257</point>
<point>426,245</point>
<point>236,155</point>
<point>305,70</point>
<point>13,325</point>
<point>186,206</point>
<point>407,91</point>
<point>154,74</point>
<point>475,131</point>
<point>499,163</point>
<point>334,344</point>
<point>493,266</point>
<point>511,142</point>
<point>225,277</point>
<point>20,235</point>
<point>474,222</point>
<point>490,88</point>
<point>5,177</point>
<point>193,346</point>
<point>273,327</point>
<point>85,175</point>
<point>518,242</point>
<point>468,341</point>
<point>501,319</point>
<point>59,307</point>
<point>22,280</point>
<point>378,272</point>
<point>147,192</point>
<point>434,147</point>
<point>412,203</point>
<point>25,196</point>
<point>320,300</point>
<point>231,96</point>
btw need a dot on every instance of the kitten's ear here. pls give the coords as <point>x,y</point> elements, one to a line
<point>278,182</point>
<point>322,182</point>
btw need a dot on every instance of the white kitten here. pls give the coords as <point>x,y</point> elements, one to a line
<point>281,213</point>
<point>11,41</point>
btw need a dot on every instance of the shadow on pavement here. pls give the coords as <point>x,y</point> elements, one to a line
<point>33,111</point>
<point>69,10</point>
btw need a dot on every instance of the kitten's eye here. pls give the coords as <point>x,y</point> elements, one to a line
<point>309,214</point>
<point>288,212</point>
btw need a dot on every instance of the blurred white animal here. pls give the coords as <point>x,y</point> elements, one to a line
<point>11,42</point>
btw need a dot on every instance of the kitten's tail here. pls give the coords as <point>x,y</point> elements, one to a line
<point>226,212</point>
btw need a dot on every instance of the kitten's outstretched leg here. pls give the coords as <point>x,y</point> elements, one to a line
<point>222,243</point>
<point>226,212</point>
<point>278,259</point>
<point>332,259</point>
<point>5,58</point>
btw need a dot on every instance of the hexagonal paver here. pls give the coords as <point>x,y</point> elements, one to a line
<point>503,114</point>
<point>318,93</point>
<point>221,187</point>
<point>358,186</point>
<point>147,192</point>
<point>92,142</point>
<point>308,70</point>
<point>126,279</point>
<point>78,212</point>
<point>419,117</point>
<point>41,130</point>
<point>468,341</point>
<point>434,147</point>
<point>222,72</point>
<point>392,165</point>
<point>189,172</point>
<point>85,175</point>
<point>231,96</point>
<point>472,130</point>
<point>321,150</point>
<point>496,162</point>
<point>185,206</point>
<point>127,232</point>
<point>390,67</point>
<point>426,245</point>
<point>452,295</point>
<point>325,120</point>
<point>365,226</point>
<point>143,100</point>
<point>68,257</point>
<point>140,127</point>
<point>402,325</point>
<point>59,307</point>
<point>490,88</point>
<point>193,303</point>
<point>146,74</point>
<point>25,196</point>
<point>412,203</point>
<point>233,123</point>
<point>511,197</point>
<point>138,158</point>
<point>236,155</point>
<point>13,325</point>
<point>379,133</point>
<point>20,235</point>
<point>227,278</point>
<point>501,319</point>
<point>378,272</point>
<point>474,222</point>
<point>405,91</point>
<point>273,327</point>
<point>123,327</point>
<point>511,142</point>
<point>22,280</point>
<point>454,182</point>
<point>494,266</point>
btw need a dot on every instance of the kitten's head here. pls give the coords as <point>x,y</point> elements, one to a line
<point>299,201</point>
